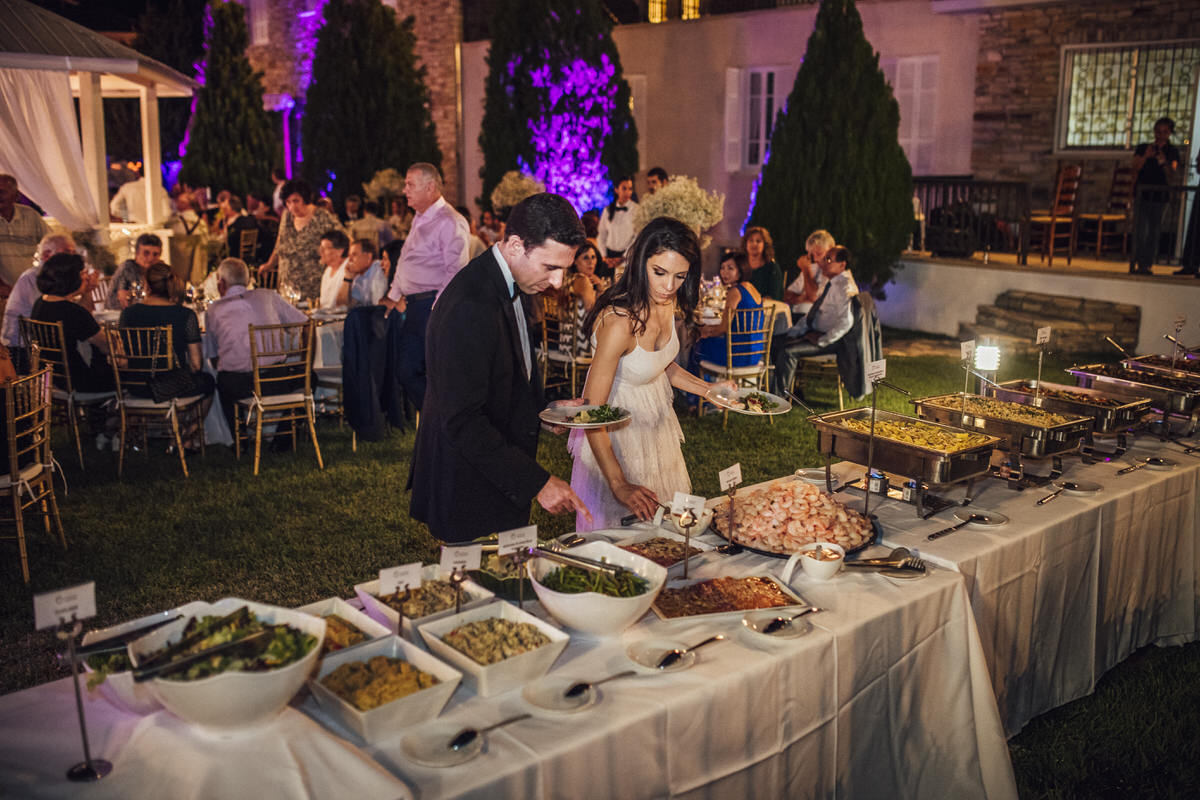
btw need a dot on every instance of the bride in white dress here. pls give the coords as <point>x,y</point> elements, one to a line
<point>632,466</point>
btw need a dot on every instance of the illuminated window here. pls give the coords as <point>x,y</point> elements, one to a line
<point>656,10</point>
<point>914,83</point>
<point>1109,97</point>
<point>760,113</point>
<point>257,20</point>
<point>691,9</point>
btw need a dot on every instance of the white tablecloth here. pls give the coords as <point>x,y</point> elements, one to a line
<point>889,695</point>
<point>1066,591</point>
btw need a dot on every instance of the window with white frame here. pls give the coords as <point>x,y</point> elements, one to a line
<point>760,107</point>
<point>914,81</point>
<point>1110,95</point>
<point>258,18</point>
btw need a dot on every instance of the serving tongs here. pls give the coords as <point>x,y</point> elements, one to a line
<point>117,643</point>
<point>239,617</point>
<point>900,558</point>
<point>578,561</point>
<point>159,670</point>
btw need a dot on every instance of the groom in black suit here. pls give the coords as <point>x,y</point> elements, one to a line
<point>474,468</point>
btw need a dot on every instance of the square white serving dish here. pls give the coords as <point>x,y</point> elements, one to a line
<point>508,674</point>
<point>394,717</point>
<point>663,533</point>
<point>336,605</point>
<point>473,595</point>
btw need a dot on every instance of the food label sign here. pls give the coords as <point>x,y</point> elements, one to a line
<point>462,557</point>
<point>691,502</point>
<point>877,370</point>
<point>51,609</point>
<point>1043,335</point>
<point>730,477</point>
<point>1180,321</point>
<point>517,539</point>
<point>395,579</point>
<point>967,349</point>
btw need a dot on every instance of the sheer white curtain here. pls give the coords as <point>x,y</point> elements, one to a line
<point>39,144</point>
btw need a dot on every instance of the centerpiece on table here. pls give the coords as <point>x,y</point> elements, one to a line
<point>683,199</point>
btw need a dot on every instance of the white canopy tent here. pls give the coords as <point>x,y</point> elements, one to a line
<point>44,60</point>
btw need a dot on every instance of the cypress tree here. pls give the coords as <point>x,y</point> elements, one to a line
<point>231,142</point>
<point>367,107</point>
<point>835,160</point>
<point>556,104</point>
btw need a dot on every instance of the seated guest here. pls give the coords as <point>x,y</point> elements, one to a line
<point>132,274</point>
<point>227,338</point>
<point>760,255</point>
<point>370,226</point>
<point>25,293</point>
<point>475,244</point>
<point>259,207</point>
<point>400,217</point>
<point>366,277</point>
<point>352,209</point>
<point>830,318</point>
<point>236,222</point>
<point>739,294</point>
<point>804,284</point>
<point>333,250</point>
<point>61,283</point>
<point>580,289</point>
<point>162,308</point>
<point>490,229</point>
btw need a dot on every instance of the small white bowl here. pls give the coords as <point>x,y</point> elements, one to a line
<point>701,524</point>
<point>592,612</point>
<point>368,593</point>
<point>336,605</point>
<point>390,718</point>
<point>816,569</point>
<point>231,700</point>
<point>514,671</point>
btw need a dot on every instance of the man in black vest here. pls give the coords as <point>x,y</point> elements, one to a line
<point>474,468</point>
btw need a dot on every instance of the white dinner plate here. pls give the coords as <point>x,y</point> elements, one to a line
<point>1162,464</point>
<point>756,621</point>
<point>726,399</point>
<point>1078,487</point>
<point>562,415</point>
<point>430,745</point>
<point>816,476</point>
<point>646,653</point>
<point>547,694</point>
<point>994,518</point>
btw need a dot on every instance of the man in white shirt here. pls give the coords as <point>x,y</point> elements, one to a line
<point>436,249</point>
<point>227,330</point>
<point>616,224</point>
<point>279,178</point>
<point>830,318</point>
<point>365,280</point>
<point>332,250</point>
<point>25,293</point>
<point>129,204</point>
<point>21,228</point>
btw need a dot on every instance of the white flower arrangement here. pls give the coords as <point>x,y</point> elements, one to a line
<point>514,187</point>
<point>683,199</point>
<point>385,183</point>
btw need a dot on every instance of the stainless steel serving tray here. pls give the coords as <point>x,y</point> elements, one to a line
<point>1186,369</point>
<point>1106,419</point>
<point>1164,398</point>
<point>1032,441</point>
<point>910,460</point>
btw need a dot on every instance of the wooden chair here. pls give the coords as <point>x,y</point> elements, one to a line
<point>749,339</point>
<point>560,356</point>
<point>137,355</point>
<point>267,280</point>
<point>1056,228</point>
<point>824,366</point>
<point>29,479</point>
<point>281,357</point>
<point>1116,214</point>
<point>247,242</point>
<point>51,343</point>
<point>331,378</point>
<point>100,293</point>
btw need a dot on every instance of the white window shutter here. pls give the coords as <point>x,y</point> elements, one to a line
<point>733,119</point>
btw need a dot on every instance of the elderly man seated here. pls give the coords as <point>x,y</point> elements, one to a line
<point>365,280</point>
<point>228,321</point>
<point>25,293</point>
<point>830,318</point>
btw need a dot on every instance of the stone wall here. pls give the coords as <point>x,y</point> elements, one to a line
<point>276,59</point>
<point>439,32</point>
<point>1016,88</point>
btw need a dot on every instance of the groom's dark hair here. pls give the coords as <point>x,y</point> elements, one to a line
<point>545,216</point>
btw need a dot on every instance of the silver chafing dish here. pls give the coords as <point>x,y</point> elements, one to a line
<point>1107,418</point>
<point>1184,368</point>
<point>1027,438</point>
<point>922,464</point>
<point>1169,394</point>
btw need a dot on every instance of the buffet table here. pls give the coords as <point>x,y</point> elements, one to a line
<point>1066,591</point>
<point>890,689</point>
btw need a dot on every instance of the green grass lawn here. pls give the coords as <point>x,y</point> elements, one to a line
<point>295,534</point>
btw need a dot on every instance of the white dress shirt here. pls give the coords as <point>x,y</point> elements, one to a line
<point>518,309</point>
<point>616,233</point>
<point>331,283</point>
<point>227,324</point>
<point>436,249</point>
<point>834,318</point>
<point>20,304</point>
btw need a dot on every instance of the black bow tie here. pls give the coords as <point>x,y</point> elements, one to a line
<point>516,291</point>
<point>620,208</point>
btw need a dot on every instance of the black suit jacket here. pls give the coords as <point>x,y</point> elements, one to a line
<point>474,468</point>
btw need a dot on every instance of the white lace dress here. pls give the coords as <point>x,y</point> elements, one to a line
<point>647,447</point>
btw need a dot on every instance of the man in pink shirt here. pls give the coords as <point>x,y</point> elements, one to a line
<point>436,249</point>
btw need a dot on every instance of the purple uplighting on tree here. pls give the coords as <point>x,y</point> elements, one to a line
<point>568,137</point>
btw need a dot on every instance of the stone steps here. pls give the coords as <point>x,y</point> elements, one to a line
<point>1078,325</point>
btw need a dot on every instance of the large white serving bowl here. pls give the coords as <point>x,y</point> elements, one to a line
<point>231,700</point>
<point>514,671</point>
<point>390,718</point>
<point>595,613</point>
<point>368,593</point>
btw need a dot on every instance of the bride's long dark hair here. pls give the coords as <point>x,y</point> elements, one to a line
<point>632,292</point>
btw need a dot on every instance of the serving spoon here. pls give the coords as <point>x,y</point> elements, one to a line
<point>468,735</point>
<point>1063,487</point>
<point>956,526</point>
<point>576,689</point>
<point>671,658</point>
<point>779,623</point>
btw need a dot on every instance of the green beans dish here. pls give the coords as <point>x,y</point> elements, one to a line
<point>576,580</point>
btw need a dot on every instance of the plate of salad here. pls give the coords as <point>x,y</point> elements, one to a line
<point>584,416</point>
<point>749,400</point>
